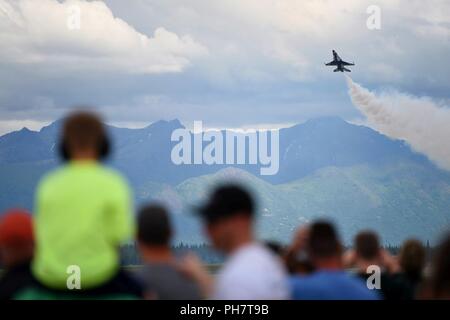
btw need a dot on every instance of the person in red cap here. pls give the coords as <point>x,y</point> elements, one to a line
<point>16,251</point>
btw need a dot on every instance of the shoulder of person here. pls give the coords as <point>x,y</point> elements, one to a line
<point>51,177</point>
<point>250,263</point>
<point>114,177</point>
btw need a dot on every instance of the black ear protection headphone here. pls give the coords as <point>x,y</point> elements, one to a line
<point>103,148</point>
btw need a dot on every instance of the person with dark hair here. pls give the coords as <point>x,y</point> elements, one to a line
<point>251,270</point>
<point>296,258</point>
<point>83,215</point>
<point>276,247</point>
<point>412,263</point>
<point>412,259</point>
<point>329,281</point>
<point>161,275</point>
<point>367,246</point>
<point>439,284</point>
<point>368,252</point>
<point>16,251</point>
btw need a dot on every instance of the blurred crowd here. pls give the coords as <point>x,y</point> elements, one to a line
<point>69,247</point>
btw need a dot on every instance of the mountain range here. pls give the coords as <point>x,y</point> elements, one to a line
<point>328,168</point>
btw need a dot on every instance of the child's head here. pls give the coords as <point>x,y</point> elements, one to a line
<point>84,137</point>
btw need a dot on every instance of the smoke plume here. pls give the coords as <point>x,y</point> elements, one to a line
<point>420,121</point>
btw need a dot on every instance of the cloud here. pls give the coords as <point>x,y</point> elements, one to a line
<point>262,60</point>
<point>8,126</point>
<point>287,40</point>
<point>435,31</point>
<point>385,72</point>
<point>46,32</point>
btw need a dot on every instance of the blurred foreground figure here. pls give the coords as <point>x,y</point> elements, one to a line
<point>412,263</point>
<point>251,270</point>
<point>329,281</point>
<point>161,275</point>
<point>438,286</point>
<point>16,252</point>
<point>83,214</point>
<point>296,258</point>
<point>368,252</point>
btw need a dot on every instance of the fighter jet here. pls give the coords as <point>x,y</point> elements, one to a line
<point>337,61</point>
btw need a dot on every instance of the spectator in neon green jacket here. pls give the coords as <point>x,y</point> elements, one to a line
<point>83,212</point>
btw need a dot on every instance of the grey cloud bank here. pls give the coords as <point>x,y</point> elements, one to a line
<point>261,60</point>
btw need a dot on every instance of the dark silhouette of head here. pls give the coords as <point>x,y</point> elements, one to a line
<point>296,258</point>
<point>440,278</point>
<point>324,247</point>
<point>154,227</point>
<point>228,215</point>
<point>84,136</point>
<point>367,245</point>
<point>412,259</point>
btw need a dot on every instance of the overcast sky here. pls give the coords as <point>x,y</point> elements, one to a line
<point>230,63</point>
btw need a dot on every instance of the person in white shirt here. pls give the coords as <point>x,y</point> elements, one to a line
<point>251,270</point>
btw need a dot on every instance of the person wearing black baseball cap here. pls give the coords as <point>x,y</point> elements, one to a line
<point>251,270</point>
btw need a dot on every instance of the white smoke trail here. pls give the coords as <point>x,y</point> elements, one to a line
<point>420,121</point>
